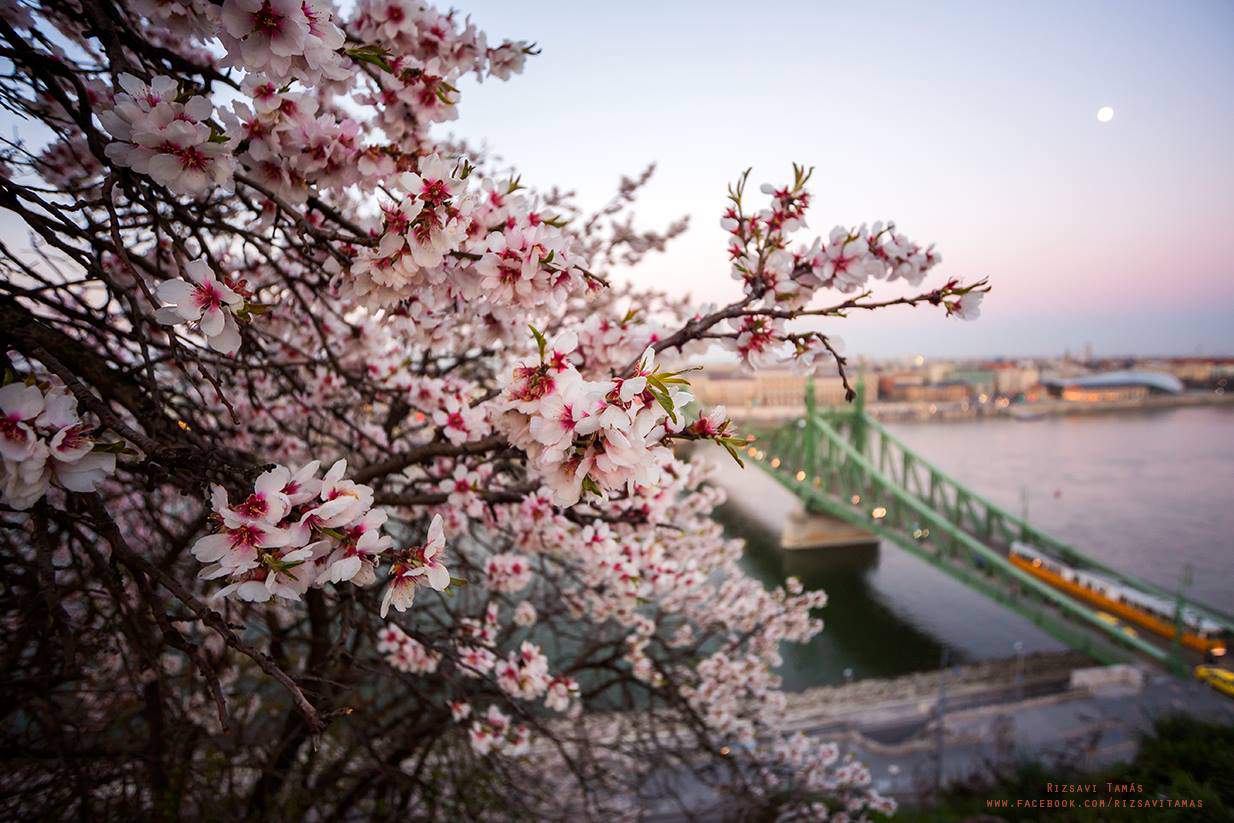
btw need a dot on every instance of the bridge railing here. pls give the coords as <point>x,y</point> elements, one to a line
<point>816,462</point>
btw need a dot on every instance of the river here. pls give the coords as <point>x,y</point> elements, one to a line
<point>1150,493</point>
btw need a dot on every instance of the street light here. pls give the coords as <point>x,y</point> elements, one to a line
<point>942,718</point>
<point>1019,669</point>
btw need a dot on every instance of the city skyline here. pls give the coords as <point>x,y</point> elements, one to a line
<point>971,126</point>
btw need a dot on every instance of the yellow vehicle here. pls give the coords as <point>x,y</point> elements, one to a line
<point>1116,602</point>
<point>1220,679</point>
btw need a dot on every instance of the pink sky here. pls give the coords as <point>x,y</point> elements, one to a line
<point>970,124</point>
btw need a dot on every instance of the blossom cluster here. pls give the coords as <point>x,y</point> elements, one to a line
<point>523,675</point>
<point>43,438</point>
<point>283,39</point>
<point>845,261</point>
<point>598,436</point>
<point>508,572</point>
<point>203,299</point>
<point>293,143</point>
<point>428,51</point>
<point>786,279</point>
<point>448,247</point>
<point>493,732</point>
<point>417,566</point>
<point>814,769</point>
<point>168,136</point>
<point>296,530</point>
<point>183,19</point>
<point>403,653</point>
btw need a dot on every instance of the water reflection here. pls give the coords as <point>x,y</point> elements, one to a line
<point>888,613</point>
<point>861,633</point>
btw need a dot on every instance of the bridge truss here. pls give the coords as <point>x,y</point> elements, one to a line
<point>844,463</point>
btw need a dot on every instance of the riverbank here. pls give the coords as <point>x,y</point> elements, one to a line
<point>1056,407</point>
<point>992,717</point>
<point>918,741</point>
<point>889,411</point>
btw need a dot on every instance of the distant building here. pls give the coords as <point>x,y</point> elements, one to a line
<point>1202,372</point>
<point>1197,372</point>
<point>769,388</point>
<point>1115,385</point>
<point>938,371</point>
<point>937,393</point>
<point>979,381</point>
<point>1013,381</point>
<point>892,386</point>
<point>1106,394</point>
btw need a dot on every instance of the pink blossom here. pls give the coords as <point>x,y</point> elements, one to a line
<point>203,300</point>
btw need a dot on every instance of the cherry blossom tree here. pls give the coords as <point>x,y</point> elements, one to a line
<point>341,475</point>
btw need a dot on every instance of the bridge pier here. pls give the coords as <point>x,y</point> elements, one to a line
<point>810,530</point>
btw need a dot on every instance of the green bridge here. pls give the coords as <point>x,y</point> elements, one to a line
<point>844,463</point>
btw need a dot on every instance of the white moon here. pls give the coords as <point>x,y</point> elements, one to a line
<point>1105,114</point>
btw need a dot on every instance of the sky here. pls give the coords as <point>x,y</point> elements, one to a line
<point>972,125</point>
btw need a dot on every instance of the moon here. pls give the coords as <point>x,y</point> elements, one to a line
<point>1105,114</point>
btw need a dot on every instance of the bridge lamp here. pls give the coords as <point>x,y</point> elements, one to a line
<point>775,462</point>
<point>855,499</point>
<point>879,513</point>
<point>800,476</point>
<point>752,451</point>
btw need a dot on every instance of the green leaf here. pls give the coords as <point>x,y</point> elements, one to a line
<point>664,400</point>
<point>443,92</point>
<point>728,448</point>
<point>541,343</point>
<point>374,54</point>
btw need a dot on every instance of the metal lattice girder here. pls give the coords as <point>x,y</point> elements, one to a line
<point>826,460</point>
<point>1016,528</point>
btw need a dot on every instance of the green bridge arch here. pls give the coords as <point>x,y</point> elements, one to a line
<point>844,463</point>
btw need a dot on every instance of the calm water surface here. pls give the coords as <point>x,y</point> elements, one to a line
<point>1149,493</point>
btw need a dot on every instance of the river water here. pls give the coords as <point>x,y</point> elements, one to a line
<point>1150,493</point>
